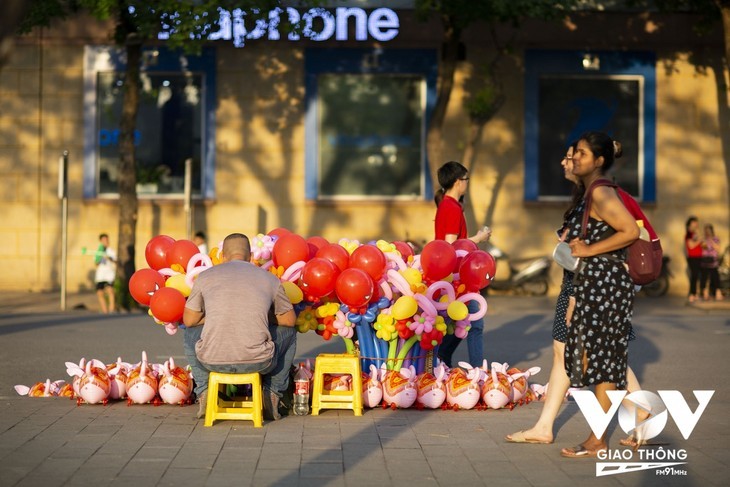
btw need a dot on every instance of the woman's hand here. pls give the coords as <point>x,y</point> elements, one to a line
<point>482,235</point>
<point>578,248</point>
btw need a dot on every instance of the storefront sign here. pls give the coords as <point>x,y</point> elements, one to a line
<point>317,24</point>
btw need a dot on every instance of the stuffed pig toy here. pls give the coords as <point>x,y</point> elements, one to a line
<point>431,388</point>
<point>372,389</point>
<point>399,388</point>
<point>497,388</point>
<point>175,384</point>
<point>42,389</point>
<point>118,375</point>
<point>520,385</point>
<point>94,386</point>
<point>142,383</point>
<point>462,387</point>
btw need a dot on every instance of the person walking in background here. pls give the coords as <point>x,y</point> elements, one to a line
<point>106,272</point>
<point>200,240</point>
<point>709,264</point>
<point>693,250</point>
<point>450,225</point>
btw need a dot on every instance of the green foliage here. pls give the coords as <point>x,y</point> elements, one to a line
<point>187,23</point>
<point>708,10</point>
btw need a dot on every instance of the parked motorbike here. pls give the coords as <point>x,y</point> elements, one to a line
<point>525,275</point>
<point>660,286</point>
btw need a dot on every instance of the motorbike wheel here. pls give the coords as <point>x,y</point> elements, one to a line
<point>657,288</point>
<point>535,288</point>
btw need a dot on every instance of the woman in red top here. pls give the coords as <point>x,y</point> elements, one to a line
<point>693,248</point>
<point>450,225</point>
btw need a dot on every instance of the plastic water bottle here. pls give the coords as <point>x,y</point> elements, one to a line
<point>301,391</point>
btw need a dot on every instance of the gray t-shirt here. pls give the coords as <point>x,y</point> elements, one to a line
<point>236,298</point>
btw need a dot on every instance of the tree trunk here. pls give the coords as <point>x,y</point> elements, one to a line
<point>447,67</point>
<point>722,79</point>
<point>13,13</point>
<point>725,11</point>
<point>476,128</point>
<point>127,171</point>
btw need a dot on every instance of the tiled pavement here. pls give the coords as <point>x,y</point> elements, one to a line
<point>53,442</point>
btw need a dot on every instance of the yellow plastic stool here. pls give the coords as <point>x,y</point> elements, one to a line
<point>328,363</point>
<point>240,408</point>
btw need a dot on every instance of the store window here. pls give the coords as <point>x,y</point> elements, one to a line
<point>366,123</point>
<point>568,93</point>
<point>174,123</point>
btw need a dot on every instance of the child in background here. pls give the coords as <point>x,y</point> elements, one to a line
<point>709,265</point>
<point>106,270</point>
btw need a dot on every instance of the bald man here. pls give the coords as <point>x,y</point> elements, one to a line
<point>248,325</point>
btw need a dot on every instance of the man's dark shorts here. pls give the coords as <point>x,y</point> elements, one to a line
<point>100,286</point>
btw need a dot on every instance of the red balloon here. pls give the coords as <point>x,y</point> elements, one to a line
<point>477,270</point>
<point>404,249</point>
<point>156,251</point>
<point>144,284</point>
<point>370,259</point>
<point>168,305</point>
<point>318,277</point>
<point>335,253</point>
<point>181,252</point>
<point>438,259</point>
<point>354,287</point>
<point>279,232</point>
<point>318,242</point>
<point>465,244</point>
<point>288,249</point>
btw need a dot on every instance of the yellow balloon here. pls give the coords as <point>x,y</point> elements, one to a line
<point>293,292</point>
<point>457,311</point>
<point>404,307</point>
<point>413,276</point>
<point>213,254</point>
<point>178,282</point>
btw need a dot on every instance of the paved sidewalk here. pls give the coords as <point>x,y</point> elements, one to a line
<point>53,442</point>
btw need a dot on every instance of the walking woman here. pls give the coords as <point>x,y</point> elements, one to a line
<point>542,431</point>
<point>450,225</point>
<point>596,349</point>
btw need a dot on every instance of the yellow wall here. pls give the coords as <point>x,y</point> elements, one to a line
<point>260,163</point>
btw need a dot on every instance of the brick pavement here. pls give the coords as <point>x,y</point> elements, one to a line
<point>54,442</point>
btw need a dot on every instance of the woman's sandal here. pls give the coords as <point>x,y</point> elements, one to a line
<point>579,452</point>
<point>632,442</point>
<point>520,437</point>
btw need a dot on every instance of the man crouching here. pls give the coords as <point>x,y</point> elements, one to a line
<point>249,325</point>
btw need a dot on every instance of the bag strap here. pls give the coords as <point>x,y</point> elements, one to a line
<point>589,201</point>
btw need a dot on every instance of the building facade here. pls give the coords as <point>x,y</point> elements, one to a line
<point>325,133</point>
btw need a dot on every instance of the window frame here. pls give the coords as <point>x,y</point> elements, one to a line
<point>612,65</point>
<point>111,59</point>
<point>421,62</point>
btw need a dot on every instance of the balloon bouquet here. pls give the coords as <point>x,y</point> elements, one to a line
<point>395,305</point>
<point>165,286</point>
